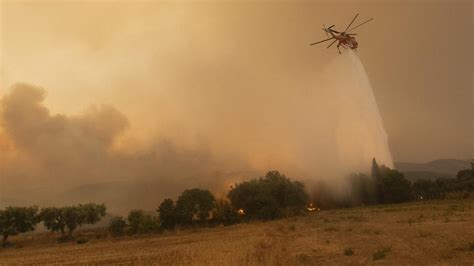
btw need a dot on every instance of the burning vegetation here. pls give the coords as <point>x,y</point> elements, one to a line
<point>312,208</point>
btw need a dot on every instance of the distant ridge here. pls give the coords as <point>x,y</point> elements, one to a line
<point>433,169</point>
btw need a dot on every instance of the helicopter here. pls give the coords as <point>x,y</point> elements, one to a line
<point>345,38</point>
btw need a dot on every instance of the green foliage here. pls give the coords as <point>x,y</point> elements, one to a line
<point>390,185</point>
<point>194,205</point>
<point>71,217</point>
<point>141,223</point>
<point>91,213</point>
<point>53,219</point>
<point>225,213</point>
<point>363,189</point>
<point>268,197</point>
<point>428,189</point>
<point>396,188</point>
<point>117,226</point>
<point>465,180</point>
<point>167,214</point>
<point>15,220</point>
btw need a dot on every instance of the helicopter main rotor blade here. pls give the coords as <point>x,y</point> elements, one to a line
<point>351,22</point>
<point>331,43</point>
<point>335,31</point>
<point>325,30</point>
<point>360,24</point>
<point>321,41</point>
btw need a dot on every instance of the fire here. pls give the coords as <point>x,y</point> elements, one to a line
<point>312,208</point>
<point>241,211</point>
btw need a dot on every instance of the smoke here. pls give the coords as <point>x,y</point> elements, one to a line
<point>175,109</point>
<point>54,159</point>
<point>323,132</point>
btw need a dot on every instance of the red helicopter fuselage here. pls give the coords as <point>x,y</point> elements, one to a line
<point>346,41</point>
<point>344,38</point>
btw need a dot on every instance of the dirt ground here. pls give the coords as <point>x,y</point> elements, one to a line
<point>426,233</point>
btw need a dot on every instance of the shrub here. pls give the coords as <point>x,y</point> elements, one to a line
<point>381,253</point>
<point>117,226</point>
<point>348,251</point>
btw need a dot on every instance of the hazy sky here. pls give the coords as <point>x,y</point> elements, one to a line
<point>418,55</point>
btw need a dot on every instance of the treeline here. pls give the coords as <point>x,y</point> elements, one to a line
<point>15,220</point>
<point>269,197</point>
<point>386,185</point>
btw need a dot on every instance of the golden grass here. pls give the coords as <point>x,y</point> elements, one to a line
<point>431,232</point>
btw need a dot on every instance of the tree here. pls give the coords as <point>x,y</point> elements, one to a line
<point>194,204</point>
<point>141,223</point>
<point>465,179</point>
<point>225,213</point>
<point>377,176</point>
<point>15,220</point>
<point>268,197</point>
<point>91,213</point>
<point>396,188</point>
<point>363,189</point>
<point>167,214</point>
<point>53,219</point>
<point>117,226</point>
<point>423,189</point>
<point>71,217</point>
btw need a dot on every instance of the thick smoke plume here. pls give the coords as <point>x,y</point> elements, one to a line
<point>325,131</point>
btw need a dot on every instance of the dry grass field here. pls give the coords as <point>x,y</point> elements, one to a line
<point>427,233</point>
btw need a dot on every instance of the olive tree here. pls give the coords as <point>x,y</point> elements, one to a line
<point>71,217</point>
<point>15,220</point>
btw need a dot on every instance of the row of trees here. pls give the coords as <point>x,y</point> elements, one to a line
<point>15,220</point>
<point>440,188</point>
<point>386,185</point>
<point>268,197</point>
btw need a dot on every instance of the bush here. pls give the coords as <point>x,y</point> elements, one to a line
<point>381,253</point>
<point>348,252</point>
<point>268,197</point>
<point>117,226</point>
